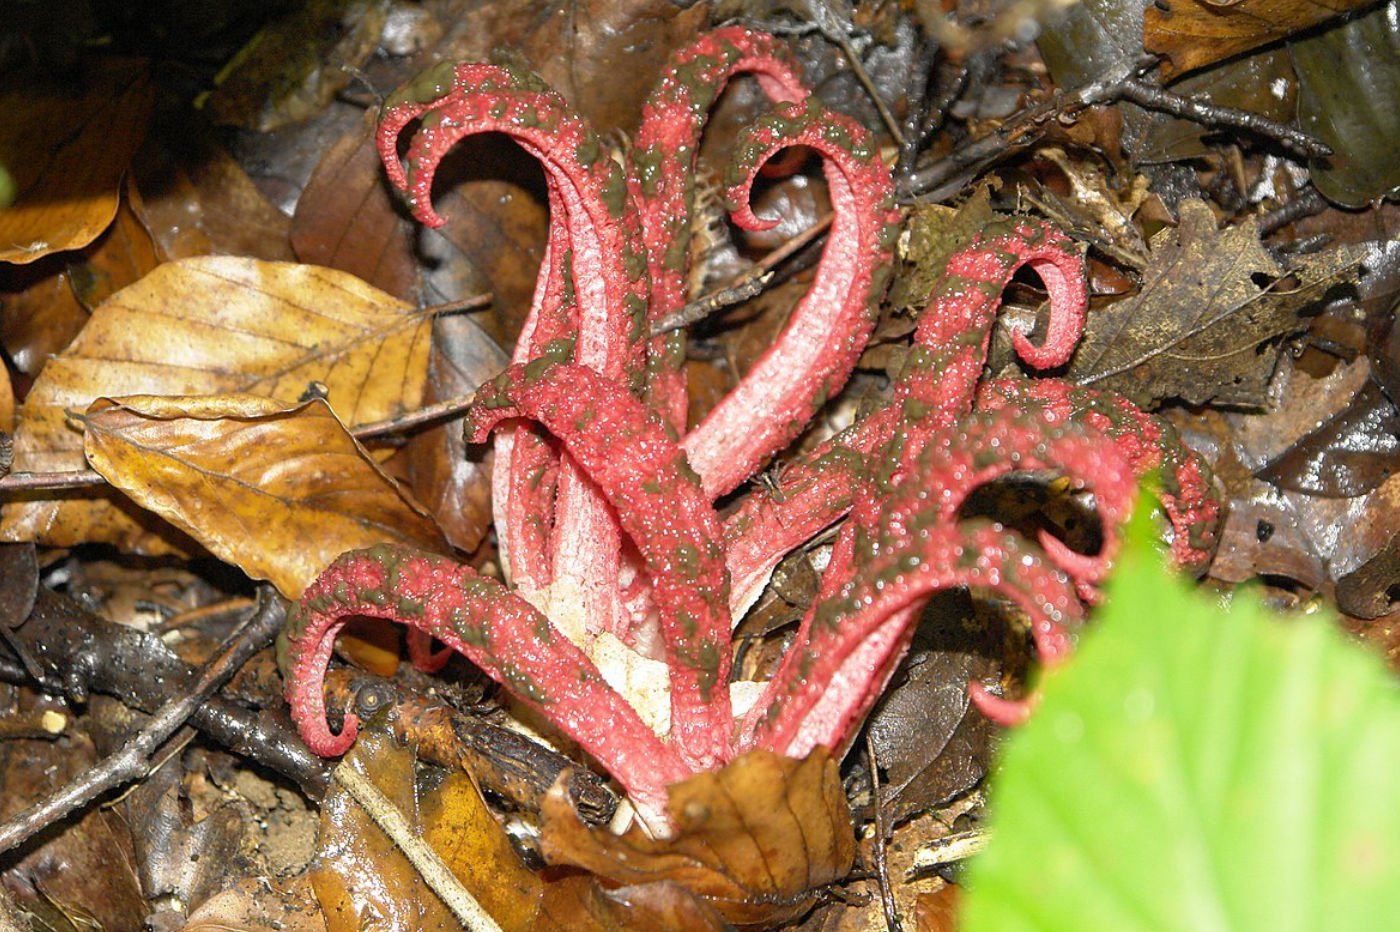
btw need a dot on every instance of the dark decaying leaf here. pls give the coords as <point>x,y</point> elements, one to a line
<point>197,200</point>
<point>754,840</point>
<point>1202,329</point>
<point>82,874</point>
<point>19,575</point>
<point>1378,294</point>
<point>930,742</point>
<point>293,67</point>
<point>449,478</point>
<point>1351,454</point>
<point>1318,542</point>
<point>345,219</point>
<point>1349,79</point>
<point>1085,41</point>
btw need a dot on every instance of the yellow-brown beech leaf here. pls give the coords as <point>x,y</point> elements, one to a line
<point>361,877</point>
<point>1196,33</point>
<point>277,490</point>
<point>65,153</point>
<point>754,840</point>
<point>212,325</point>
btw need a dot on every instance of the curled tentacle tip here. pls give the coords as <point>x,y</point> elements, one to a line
<point>423,657</point>
<point>327,744</point>
<point>1008,713</point>
<point>1081,567</point>
<point>1046,356</point>
<point>741,211</point>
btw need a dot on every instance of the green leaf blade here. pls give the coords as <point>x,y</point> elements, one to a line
<point>1199,769</point>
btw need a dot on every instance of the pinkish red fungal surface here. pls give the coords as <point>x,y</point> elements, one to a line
<point>605,502</point>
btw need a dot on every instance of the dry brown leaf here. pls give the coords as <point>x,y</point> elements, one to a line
<point>279,491</point>
<point>578,903</point>
<point>346,220</point>
<point>1202,328</point>
<point>48,302</point>
<point>197,200</point>
<point>1195,33</point>
<point>753,840</point>
<point>7,403</point>
<point>66,154</point>
<point>362,877</point>
<point>208,326</point>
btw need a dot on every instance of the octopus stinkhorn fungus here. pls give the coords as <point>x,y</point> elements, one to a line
<point>625,581</point>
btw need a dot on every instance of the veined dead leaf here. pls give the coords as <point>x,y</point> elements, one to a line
<point>213,325</point>
<point>277,490</point>
<point>66,156</point>
<point>754,840</point>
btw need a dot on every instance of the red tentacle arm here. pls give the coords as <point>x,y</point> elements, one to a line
<point>595,265</point>
<point>814,355</point>
<point>954,332</point>
<point>827,682</point>
<point>499,632</point>
<point>659,502</point>
<point>1150,443</point>
<point>915,546</point>
<point>662,179</point>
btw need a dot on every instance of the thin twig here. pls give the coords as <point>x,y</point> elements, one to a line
<point>82,478</point>
<point>950,849</point>
<point>133,760</point>
<point>858,69</point>
<point>882,870</point>
<point>50,481</point>
<point>472,303</point>
<point>742,288</point>
<point>421,855</point>
<point>935,181</point>
<point>1156,98</point>
<point>1305,204</point>
<point>835,25</point>
<point>404,422</point>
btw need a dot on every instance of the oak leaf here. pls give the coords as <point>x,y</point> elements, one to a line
<point>1202,328</point>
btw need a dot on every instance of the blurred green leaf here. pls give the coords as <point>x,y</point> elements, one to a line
<point>1195,768</point>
